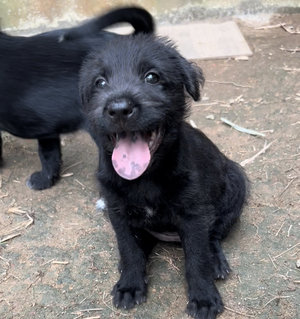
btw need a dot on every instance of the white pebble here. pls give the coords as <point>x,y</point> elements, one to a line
<point>100,205</point>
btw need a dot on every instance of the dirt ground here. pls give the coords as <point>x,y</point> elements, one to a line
<point>58,254</point>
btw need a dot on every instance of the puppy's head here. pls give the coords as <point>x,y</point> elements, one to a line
<point>134,92</point>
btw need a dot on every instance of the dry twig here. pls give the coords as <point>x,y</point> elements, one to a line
<point>290,50</point>
<point>86,310</point>
<point>274,26</point>
<point>239,313</point>
<point>11,233</point>
<point>279,229</point>
<point>240,128</point>
<point>251,159</point>
<point>274,298</point>
<point>70,166</point>
<point>291,69</point>
<point>287,186</point>
<point>272,261</point>
<point>286,251</point>
<point>289,230</point>
<point>77,181</point>
<point>3,195</point>
<point>57,262</point>
<point>231,83</point>
<point>6,238</point>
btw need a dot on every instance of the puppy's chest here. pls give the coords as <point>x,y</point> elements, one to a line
<point>151,217</point>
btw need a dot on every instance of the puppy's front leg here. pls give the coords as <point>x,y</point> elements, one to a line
<point>204,299</point>
<point>131,288</point>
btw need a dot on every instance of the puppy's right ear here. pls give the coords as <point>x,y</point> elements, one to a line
<point>193,78</point>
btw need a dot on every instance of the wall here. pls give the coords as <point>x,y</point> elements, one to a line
<point>45,14</point>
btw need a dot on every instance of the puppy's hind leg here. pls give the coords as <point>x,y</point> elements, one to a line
<point>50,156</point>
<point>220,264</point>
<point>229,211</point>
<point>235,196</point>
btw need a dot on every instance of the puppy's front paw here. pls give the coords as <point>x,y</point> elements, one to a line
<point>205,307</point>
<point>128,293</point>
<point>39,181</point>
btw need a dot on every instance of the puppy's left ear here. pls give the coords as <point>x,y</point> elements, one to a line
<point>193,78</point>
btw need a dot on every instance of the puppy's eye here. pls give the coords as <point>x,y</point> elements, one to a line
<point>100,83</point>
<point>152,78</point>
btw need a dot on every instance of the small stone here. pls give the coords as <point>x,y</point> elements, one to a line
<point>210,117</point>
<point>100,205</point>
<point>298,263</point>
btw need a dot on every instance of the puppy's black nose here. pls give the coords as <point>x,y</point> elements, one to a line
<point>120,109</point>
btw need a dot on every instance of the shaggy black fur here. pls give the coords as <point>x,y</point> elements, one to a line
<point>39,84</point>
<point>138,84</point>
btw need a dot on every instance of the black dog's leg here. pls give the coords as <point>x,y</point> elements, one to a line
<point>50,156</point>
<point>134,247</point>
<point>204,299</point>
<point>1,159</point>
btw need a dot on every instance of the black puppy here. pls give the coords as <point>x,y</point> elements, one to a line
<point>157,173</point>
<point>39,84</point>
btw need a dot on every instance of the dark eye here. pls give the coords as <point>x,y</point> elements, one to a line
<point>151,78</point>
<point>100,83</point>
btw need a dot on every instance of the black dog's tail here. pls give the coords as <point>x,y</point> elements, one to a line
<point>140,19</point>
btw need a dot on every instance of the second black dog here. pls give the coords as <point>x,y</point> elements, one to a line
<point>39,84</point>
<point>157,173</point>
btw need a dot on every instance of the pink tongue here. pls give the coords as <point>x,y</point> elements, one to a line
<point>131,159</point>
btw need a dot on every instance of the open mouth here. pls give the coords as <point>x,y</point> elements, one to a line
<point>133,152</point>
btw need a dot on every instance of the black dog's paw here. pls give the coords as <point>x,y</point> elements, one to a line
<point>221,268</point>
<point>127,294</point>
<point>39,181</point>
<point>205,307</point>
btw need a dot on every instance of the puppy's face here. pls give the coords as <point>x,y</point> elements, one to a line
<point>134,93</point>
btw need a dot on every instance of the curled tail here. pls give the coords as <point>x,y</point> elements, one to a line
<point>140,19</point>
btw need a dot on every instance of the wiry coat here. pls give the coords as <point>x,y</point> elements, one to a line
<point>190,187</point>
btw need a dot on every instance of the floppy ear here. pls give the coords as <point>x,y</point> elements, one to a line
<point>193,78</point>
